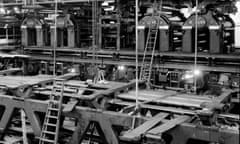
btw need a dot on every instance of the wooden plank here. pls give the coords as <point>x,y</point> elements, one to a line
<point>156,107</point>
<point>21,81</point>
<point>168,125</point>
<point>76,83</point>
<point>70,106</point>
<point>136,133</point>
<point>163,93</point>
<point>166,100</point>
<point>10,71</point>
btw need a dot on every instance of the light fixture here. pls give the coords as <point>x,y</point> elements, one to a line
<point>8,11</point>
<point>16,9</point>
<point>121,68</point>
<point>191,74</point>
<point>72,70</point>
<point>2,10</point>
<point>197,72</point>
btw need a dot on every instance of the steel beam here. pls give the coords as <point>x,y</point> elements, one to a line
<point>31,2</point>
<point>79,131</point>
<point>186,131</point>
<point>28,105</point>
<point>226,69</point>
<point>10,71</point>
<point>85,115</point>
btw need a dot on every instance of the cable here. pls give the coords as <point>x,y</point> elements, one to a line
<point>55,39</point>
<point>196,47</point>
<point>94,29</point>
<point>136,48</point>
<point>136,52</point>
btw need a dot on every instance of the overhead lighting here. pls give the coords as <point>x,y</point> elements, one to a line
<point>188,76</point>
<point>8,11</point>
<point>191,74</point>
<point>2,10</point>
<point>197,72</point>
<point>16,10</point>
<point>121,67</point>
<point>72,70</point>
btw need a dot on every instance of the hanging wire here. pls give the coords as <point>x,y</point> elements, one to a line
<point>196,47</point>
<point>94,29</point>
<point>55,38</point>
<point>136,48</point>
<point>136,52</point>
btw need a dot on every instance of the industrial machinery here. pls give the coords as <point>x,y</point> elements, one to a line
<point>78,82</point>
<point>10,36</point>
<point>209,40</point>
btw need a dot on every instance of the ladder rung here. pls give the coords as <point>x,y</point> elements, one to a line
<point>57,87</point>
<point>49,132</point>
<point>53,117</point>
<point>50,124</point>
<point>56,94</point>
<point>154,30</point>
<point>53,109</point>
<point>46,140</point>
<point>54,101</point>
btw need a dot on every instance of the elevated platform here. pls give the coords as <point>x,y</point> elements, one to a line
<point>160,111</point>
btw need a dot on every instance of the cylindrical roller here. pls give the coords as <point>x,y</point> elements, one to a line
<point>228,46</point>
<point>170,8</point>
<point>202,34</point>
<point>177,48</point>
<point>227,34</point>
<point>176,38</point>
<point>177,33</point>
<point>177,41</point>
<point>226,41</point>
<point>200,49</point>
<point>202,41</point>
<point>229,28</point>
<point>177,44</point>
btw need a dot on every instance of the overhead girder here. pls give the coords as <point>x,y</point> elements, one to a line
<point>191,2</point>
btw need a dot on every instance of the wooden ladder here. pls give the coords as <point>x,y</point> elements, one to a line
<point>146,69</point>
<point>50,129</point>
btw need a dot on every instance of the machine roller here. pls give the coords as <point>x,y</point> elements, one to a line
<point>215,33</point>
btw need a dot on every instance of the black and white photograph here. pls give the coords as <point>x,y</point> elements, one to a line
<point>119,71</point>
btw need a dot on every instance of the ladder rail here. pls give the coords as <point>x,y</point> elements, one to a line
<point>150,44</point>
<point>144,54</point>
<point>59,112</point>
<point>51,127</point>
<point>147,47</point>
<point>153,53</point>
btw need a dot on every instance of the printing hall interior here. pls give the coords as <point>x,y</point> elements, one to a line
<point>119,71</point>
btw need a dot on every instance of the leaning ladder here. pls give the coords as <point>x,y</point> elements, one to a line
<point>50,129</point>
<point>146,69</point>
